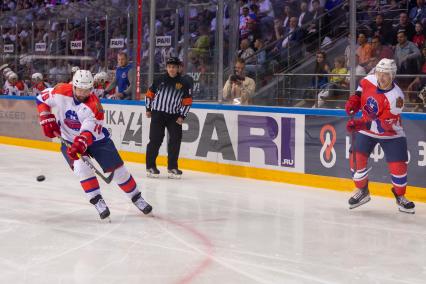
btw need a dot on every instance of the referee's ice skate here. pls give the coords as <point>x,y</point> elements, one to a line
<point>175,174</point>
<point>152,173</point>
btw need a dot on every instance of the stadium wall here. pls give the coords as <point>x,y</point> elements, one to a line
<point>299,146</point>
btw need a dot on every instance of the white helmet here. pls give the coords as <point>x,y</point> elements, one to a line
<point>387,66</point>
<point>101,76</point>
<point>37,76</point>
<point>74,69</point>
<point>6,70</point>
<point>82,79</point>
<point>11,75</point>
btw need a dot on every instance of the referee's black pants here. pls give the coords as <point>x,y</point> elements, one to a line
<point>159,122</point>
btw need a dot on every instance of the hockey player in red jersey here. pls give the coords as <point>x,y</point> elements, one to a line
<point>100,84</point>
<point>38,84</point>
<point>79,121</point>
<point>381,102</point>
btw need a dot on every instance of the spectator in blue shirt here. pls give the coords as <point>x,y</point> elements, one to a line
<point>124,78</point>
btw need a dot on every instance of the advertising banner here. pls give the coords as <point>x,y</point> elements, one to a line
<point>263,140</point>
<point>19,118</point>
<point>327,145</point>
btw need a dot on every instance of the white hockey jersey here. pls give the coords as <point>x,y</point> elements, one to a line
<point>19,89</point>
<point>73,116</point>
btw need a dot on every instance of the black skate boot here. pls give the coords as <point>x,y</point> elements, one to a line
<point>404,205</point>
<point>360,197</point>
<point>101,206</point>
<point>175,173</point>
<point>141,204</point>
<point>152,172</point>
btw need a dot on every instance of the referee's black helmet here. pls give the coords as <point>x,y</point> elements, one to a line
<point>173,61</point>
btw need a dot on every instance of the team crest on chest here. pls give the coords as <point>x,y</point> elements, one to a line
<point>71,120</point>
<point>371,106</point>
<point>178,86</point>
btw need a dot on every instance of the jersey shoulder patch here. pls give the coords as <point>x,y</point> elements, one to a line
<point>63,89</point>
<point>94,104</point>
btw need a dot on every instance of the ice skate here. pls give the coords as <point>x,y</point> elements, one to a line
<point>404,205</point>
<point>360,197</point>
<point>175,173</point>
<point>152,173</point>
<point>141,204</point>
<point>101,206</point>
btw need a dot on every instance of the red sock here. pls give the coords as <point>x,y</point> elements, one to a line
<point>398,171</point>
<point>361,179</point>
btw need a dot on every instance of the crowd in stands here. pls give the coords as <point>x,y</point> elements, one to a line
<point>274,36</point>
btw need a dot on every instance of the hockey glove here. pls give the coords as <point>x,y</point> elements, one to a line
<point>49,125</point>
<point>353,105</point>
<point>356,125</point>
<point>79,146</point>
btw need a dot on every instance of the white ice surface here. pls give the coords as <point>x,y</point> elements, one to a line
<point>205,229</point>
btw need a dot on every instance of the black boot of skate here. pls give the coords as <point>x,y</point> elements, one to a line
<point>175,173</point>
<point>101,206</point>
<point>152,172</point>
<point>404,205</point>
<point>360,197</point>
<point>141,204</point>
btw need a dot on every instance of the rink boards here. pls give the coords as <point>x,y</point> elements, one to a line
<point>301,146</point>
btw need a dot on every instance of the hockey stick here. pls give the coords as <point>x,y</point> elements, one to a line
<point>106,179</point>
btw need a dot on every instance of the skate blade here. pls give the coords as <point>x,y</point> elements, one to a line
<point>173,176</point>
<point>363,201</point>
<point>152,175</point>
<point>404,210</point>
<point>106,220</point>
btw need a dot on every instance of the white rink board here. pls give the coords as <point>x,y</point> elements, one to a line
<point>228,137</point>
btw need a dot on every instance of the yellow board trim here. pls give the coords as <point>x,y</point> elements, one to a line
<point>316,181</point>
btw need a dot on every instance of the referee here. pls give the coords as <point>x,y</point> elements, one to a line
<point>168,101</point>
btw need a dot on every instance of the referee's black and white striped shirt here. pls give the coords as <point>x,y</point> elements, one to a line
<point>170,95</point>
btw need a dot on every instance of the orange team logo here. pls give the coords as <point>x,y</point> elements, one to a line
<point>399,102</point>
<point>99,107</point>
<point>179,86</point>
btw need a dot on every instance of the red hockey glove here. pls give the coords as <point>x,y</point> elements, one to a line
<point>79,146</point>
<point>356,125</point>
<point>49,125</point>
<point>353,105</point>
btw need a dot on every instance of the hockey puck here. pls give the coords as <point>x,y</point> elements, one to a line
<point>41,178</point>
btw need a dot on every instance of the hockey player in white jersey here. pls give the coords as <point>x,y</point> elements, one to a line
<point>13,86</point>
<point>79,121</point>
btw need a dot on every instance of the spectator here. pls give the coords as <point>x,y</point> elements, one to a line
<point>259,65</point>
<point>418,13</point>
<point>124,78</point>
<point>419,38</point>
<point>239,88</point>
<point>305,16</point>
<point>379,52</point>
<point>364,52</point>
<point>382,29</point>
<point>289,47</point>
<point>419,82</point>
<point>337,86</point>
<point>405,25</point>
<point>201,46</point>
<point>246,52</point>
<point>244,18</point>
<point>406,54</point>
<point>286,16</point>
<point>321,67</point>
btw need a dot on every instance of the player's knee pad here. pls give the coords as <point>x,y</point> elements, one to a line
<point>82,170</point>
<point>121,175</point>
